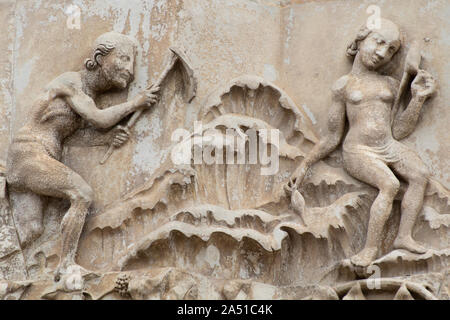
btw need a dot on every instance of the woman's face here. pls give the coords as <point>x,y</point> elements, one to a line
<point>378,48</point>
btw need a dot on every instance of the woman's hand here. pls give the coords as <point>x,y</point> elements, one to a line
<point>296,178</point>
<point>424,85</point>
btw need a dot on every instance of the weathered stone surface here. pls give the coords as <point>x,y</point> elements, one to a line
<point>95,203</point>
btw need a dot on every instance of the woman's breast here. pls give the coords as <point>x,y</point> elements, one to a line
<point>357,97</point>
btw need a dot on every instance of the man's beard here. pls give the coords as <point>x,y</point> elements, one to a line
<point>114,79</point>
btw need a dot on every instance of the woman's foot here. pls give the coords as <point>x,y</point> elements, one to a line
<point>409,244</point>
<point>365,257</point>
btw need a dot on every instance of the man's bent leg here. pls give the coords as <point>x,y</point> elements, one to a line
<point>44,175</point>
<point>73,221</point>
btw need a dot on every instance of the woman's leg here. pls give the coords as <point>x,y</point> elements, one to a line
<point>376,173</point>
<point>411,168</point>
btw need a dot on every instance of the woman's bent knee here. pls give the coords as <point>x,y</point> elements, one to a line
<point>390,187</point>
<point>420,175</point>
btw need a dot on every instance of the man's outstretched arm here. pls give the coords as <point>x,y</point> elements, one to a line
<point>105,118</point>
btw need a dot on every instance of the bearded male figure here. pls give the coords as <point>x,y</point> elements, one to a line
<point>34,169</point>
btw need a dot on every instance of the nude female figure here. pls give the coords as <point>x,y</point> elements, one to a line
<point>33,164</point>
<point>371,152</point>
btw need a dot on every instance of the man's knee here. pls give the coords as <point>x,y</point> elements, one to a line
<point>81,191</point>
<point>84,193</point>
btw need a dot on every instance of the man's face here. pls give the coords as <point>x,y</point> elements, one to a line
<point>118,66</point>
<point>378,48</point>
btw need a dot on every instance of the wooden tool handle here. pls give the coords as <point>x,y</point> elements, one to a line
<point>134,118</point>
<point>139,112</point>
<point>107,154</point>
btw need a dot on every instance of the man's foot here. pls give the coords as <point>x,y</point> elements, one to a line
<point>409,244</point>
<point>73,269</point>
<point>365,257</point>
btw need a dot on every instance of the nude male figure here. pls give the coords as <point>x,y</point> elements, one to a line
<point>371,152</point>
<point>33,164</point>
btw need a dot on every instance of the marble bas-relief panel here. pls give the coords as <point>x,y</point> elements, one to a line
<point>224,150</point>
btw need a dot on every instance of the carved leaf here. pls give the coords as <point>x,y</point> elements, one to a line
<point>257,98</point>
<point>435,219</point>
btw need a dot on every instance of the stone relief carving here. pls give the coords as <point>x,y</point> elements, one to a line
<point>222,229</point>
<point>371,150</point>
<point>33,169</point>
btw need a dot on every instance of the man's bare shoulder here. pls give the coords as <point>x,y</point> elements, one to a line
<point>68,83</point>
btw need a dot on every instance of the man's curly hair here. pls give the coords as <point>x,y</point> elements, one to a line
<point>105,44</point>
